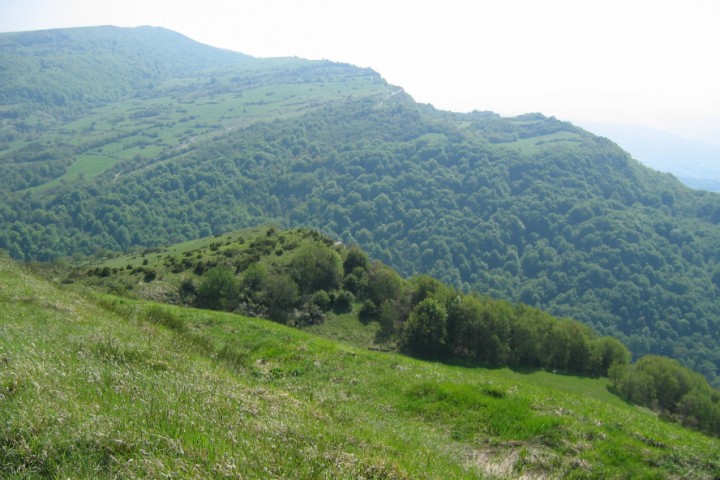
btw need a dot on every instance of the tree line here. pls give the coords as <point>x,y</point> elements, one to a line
<point>422,316</point>
<point>678,393</point>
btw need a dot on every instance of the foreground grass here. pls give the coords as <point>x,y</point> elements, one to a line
<point>103,387</point>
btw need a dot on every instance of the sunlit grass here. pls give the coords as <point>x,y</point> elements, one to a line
<point>535,144</point>
<point>97,386</point>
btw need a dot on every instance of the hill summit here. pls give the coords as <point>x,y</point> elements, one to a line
<point>67,70</point>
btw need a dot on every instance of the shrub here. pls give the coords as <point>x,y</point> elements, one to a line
<point>343,301</point>
<point>218,290</point>
<point>425,332</point>
<point>322,300</point>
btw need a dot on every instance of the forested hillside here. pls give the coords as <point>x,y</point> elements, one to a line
<point>529,208</point>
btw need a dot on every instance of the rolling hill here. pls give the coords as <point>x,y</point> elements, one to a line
<point>69,71</point>
<point>529,208</point>
<point>94,385</point>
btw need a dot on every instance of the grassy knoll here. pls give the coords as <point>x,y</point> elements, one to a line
<point>97,386</point>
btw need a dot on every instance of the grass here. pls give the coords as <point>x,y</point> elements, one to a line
<point>536,144</point>
<point>347,329</point>
<point>596,388</point>
<point>87,166</point>
<point>97,386</point>
<point>216,247</point>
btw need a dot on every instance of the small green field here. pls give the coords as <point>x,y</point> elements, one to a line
<point>217,246</point>
<point>534,144</point>
<point>87,166</point>
<point>97,386</point>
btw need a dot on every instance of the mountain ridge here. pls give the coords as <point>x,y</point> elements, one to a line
<point>141,57</point>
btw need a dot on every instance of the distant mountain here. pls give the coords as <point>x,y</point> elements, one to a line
<point>696,164</point>
<point>529,208</point>
<point>68,69</point>
<point>77,101</point>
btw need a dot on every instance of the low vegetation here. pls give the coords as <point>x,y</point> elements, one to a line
<point>666,386</point>
<point>94,385</point>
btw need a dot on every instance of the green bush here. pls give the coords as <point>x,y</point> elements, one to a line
<point>343,301</point>
<point>218,290</point>
<point>322,300</point>
<point>425,333</point>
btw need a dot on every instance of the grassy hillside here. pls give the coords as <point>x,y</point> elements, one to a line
<point>98,386</point>
<point>76,102</point>
<point>304,279</point>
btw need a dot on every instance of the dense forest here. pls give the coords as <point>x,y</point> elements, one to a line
<point>528,209</point>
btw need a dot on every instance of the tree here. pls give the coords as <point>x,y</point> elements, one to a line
<point>316,267</point>
<point>280,294</point>
<point>664,385</point>
<point>699,411</point>
<point>528,335</point>
<point>606,352</point>
<point>218,290</point>
<point>671,381</point>
<point>568,347</point>
<point>425,286</point>
<point>383,283</point>
<point>343,301</point>
<point>425,332</point>
<point>355,269</point>
<point>254,277</point>
<point>355,258</point>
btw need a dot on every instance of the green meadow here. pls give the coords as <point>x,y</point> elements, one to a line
<point>97,386</point>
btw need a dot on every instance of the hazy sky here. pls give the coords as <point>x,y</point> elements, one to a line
<point>652,63</point>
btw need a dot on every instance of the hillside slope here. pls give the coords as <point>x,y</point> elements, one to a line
<point>303,279</point>
<point>529,208</point>
<point>101,386</point>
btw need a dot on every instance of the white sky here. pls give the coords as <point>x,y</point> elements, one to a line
<point>651,63</point>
